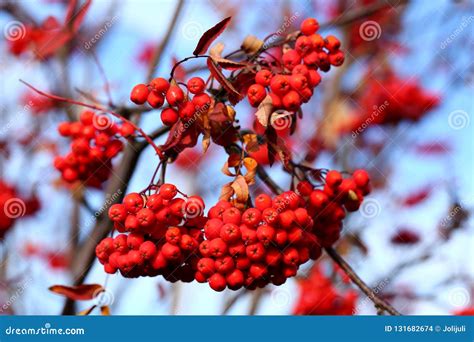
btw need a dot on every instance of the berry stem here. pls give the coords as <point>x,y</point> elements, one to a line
<point>183,61</point>
<point>91,106</point>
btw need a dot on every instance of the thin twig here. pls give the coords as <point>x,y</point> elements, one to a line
<point>378,302</point>
<point>161,47</point>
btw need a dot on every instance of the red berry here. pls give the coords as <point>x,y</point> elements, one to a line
<point>333,178</point>
<point>332,43</point>
<point>174,95</point>
<point>196,85</point>
<point>155,99</point>
<point>263,201</point>
<point>232,215</point>
<point>280,85</point>
<point>290,59</point>
<point>217,282</point>
<point>168,191</point>
<point>230,233</point>
<point>361,178</point>
<point>309,26</point>
<point>171,252</point>
<point>147,250</point>
<point>160,85</point>
<point>169,116</point>
<point>263,77</point>
<point>206,266</point>
<point>202,103</point>
<point>139,94</point>
<point>256,93</point>
<point>118,212</point>
<point>235,279</point>
<point>133,202</point>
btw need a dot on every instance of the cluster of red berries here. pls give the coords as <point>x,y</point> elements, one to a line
<point>95,142</point>
<point>160,234</point>
<point>291,83</point>
<point>261,245</point>
<point>229,248</point>
<point>13,207</point>
<point>319,296</point>
<point>181,106</point>
<point>328,206</point>
<point>391,100</point>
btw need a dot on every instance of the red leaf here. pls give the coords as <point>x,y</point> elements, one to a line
<point>210,35</point>
<point>229,65</point>
<point>233,94</point>
<point>417,197</point>
<point>81,292</point>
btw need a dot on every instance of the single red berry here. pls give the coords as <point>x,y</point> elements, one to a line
<point>263,201</point>
<point>196,85</point>
<point>291,58</point>
<point>146,217</point>
<point>117,212</point>
<point>230,233</point>
<point>169,116</point>
<point>155,99</point>
<point>232,215</point>
<point>171,252</point>
<point>147,250</point>
<point>168,191</point>
<point>280,85</point>
<point>174,95</point>
<point>133,202</point>
<point>235,279</point>
<point>309,26</point>
<point>332,43</point>
<point>160,85</point>
<point>333,178</point>
<point>252,217</point>
<point>217,282</point>
<point>263,77</point>
<point>361,178</point>
<point>303,45</point>
<point>202,103</point>
<point>256,93</point>
<point>292,100</point>
<point>206,266</point>
<point>139,94</point>
<point>336,58</point>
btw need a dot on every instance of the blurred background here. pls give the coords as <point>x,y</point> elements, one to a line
<point>401,107</point>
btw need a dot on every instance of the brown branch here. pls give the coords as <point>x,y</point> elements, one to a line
<point>378,302</point>
<point>161,48</point>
